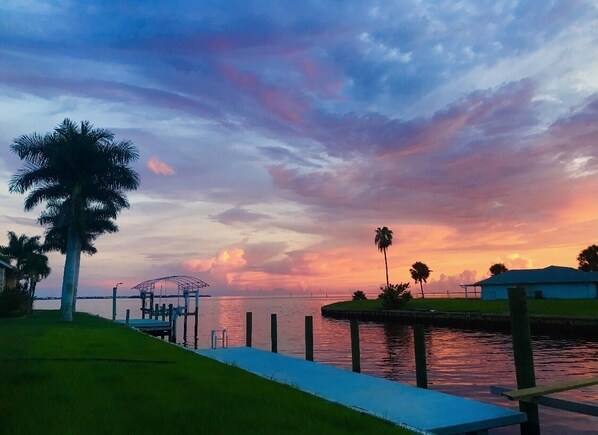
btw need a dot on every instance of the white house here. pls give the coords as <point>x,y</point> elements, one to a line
<point>552,282</point>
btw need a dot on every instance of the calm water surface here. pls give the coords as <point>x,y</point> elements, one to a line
<point>460,362</point>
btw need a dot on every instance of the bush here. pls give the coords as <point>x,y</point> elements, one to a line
<point>395,296</point>
<point>13,302</point>
<point>358,295</point>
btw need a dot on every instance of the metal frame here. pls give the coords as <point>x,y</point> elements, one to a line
<point>183,282</point>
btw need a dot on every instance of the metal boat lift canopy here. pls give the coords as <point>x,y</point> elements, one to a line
<point>184,283</point>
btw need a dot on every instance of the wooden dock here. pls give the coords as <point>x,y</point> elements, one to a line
<point>414,408</point>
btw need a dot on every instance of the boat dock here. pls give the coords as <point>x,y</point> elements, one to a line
<point>418,409</point>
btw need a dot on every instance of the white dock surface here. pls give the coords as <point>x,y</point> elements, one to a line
<point>418,408</point>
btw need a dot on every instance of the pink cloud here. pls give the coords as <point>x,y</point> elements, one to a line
<point>159,167</point>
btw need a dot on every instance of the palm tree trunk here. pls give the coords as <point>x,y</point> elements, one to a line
<point>421,284</point>
<point>70,272</point>
<point>386,267</point>
<point>32,284</point>
<point>78,268</point>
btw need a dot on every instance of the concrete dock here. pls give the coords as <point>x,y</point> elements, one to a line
<point>415,408</point>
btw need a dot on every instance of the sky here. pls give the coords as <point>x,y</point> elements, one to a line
<point>275,137</point>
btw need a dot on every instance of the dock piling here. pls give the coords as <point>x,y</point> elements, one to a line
<point>309,338</point>
<point>171,322</point>
<point>355,351</point>
<point>156,311</point>
<point>274,333</point>
<point>248,326</point>
<point>128,315</point>
<point>421,373</point>
<point>523,356</point>
<point>113,303</point>
<point>163,312</point>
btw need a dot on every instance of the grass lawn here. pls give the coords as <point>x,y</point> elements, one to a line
<point>552,307</point>
<point>96,377</point>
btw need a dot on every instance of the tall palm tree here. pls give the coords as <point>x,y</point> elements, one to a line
<point>95,222</point>
<point>76,168</point>
<point>420,273</point>
<point>30,263</point>
<point>383,240</point>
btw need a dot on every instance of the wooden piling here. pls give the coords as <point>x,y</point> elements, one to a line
<point>421,373</point>
<point>309,338</point>
<point>113,303</point>
<point>151,305</point>
<point>355,352</point>
<point>127,317</point>
<point>170,322</point>
<point>163,312</point>
<point>143,305</point>
<point>156,311</point>
<point>196,315</point>
<point>523,356</point>
<point>248,327</point>
<point>274,333</point>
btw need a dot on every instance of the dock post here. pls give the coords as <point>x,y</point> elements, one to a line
<point>156,311</point>
<point>309,338</point>
<point>151,305</point>
<point>421,373</point>
<point>143,305</point>
<point>127,317</point>
<point>113,303</point>
<point>248,326</point>
<point>196,314</point>
<point>523,356</point>
<point>163,312</point>
<point>175,316</point>
<point>274,333</point>
<point>355,357</point>
<point>170,322</point>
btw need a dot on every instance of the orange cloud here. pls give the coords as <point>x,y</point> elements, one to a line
<point>159,167</point>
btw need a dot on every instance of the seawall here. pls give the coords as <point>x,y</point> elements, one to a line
<point>562,325</point>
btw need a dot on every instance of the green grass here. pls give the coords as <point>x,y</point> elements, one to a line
<point>96,377</point>
<point>552,307</point>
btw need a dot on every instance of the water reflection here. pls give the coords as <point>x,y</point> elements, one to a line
<point>461,362</point>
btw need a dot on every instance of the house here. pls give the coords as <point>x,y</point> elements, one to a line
<point>8,275</point>
<point>552,282</point>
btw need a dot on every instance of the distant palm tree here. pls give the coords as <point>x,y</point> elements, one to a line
<point>74,169</point>
<point>31,265</point>
<point>420,273</point>
<point>498,268</point>
<point>383,240</point>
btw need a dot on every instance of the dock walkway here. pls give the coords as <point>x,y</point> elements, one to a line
<point>407,406</point>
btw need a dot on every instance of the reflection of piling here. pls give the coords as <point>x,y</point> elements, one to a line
<point>523,356</point>
<point>421,373</point>
<point>355,357</point>
<point>309,338</point>
<point>248,326</point>
<point>274,333</point>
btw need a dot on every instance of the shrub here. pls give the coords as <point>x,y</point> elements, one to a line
<point>358,295</point>
<point>395,296</point>
<point>13,302</point>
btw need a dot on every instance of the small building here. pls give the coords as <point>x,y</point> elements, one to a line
<point>8,275</point>
<point>552,282</point>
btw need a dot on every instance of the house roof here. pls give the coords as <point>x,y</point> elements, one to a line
<point>548,275</point>
<point>5,265</point>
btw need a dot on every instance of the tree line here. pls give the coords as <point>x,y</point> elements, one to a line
<point>420,272</point>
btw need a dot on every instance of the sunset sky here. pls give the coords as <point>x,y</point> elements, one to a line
<point>276,136</point>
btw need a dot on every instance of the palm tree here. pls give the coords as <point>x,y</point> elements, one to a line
<point>74,169</point>
<point>420,273</point>
<point>383,240</point>
<point>30,263</point>
<point>95,222</point>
